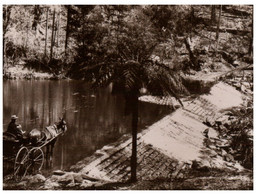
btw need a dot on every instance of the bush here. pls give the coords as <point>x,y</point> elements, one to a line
<point>241,131</point>
<point>15,52</point>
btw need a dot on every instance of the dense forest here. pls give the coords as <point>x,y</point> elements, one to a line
<point>65,40</point>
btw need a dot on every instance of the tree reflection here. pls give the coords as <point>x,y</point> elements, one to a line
<point>94,118</point>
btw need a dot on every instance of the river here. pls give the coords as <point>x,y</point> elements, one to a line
<point>94,118</point>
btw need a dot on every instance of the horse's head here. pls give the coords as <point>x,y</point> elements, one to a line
<point>62,125</point>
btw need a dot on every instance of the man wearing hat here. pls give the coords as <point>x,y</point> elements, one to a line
<point>14,128</point>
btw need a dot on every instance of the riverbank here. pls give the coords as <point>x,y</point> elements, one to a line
<point>21,72</point>
<point>181,151</point>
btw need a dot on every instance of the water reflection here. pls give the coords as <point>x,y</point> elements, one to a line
<point>94,118</point>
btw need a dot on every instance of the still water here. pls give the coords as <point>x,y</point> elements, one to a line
<point>94,118</point>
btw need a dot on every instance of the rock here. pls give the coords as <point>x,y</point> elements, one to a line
<point>200,165</point>
<point>97,185</point>
<point>213,134</point>
<point>213,147</point>
<point>223,152</point>
<point>180,176</point>
<point>228,158</point>
<point>54,178</point>
<point>78,178</point>
<point>205,70</point>
<point>22,184</point>
<point>236,63</point>
<point>208,122</point>
<point>195,164</point>
<point>223,143</point>
<point>86,184</point>
<point>243,88</point>
<point>213,154</point>
<point>51,185</point>
<point>37,178</point>
<point>223,119</point>
<point>206,132</point>
<point>84,176</point>
<point>58,172</point>
<point>207,142</point>
<point>71,185</point>
<point>67,178</point>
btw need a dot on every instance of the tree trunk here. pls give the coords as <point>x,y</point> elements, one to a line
<point>6,21</point>
<point>250,49</point>
<point>193,58</point>
<point>57,31</point>
<point>67,28</point>
<point>218,24</point>
<point>52,37</point>
<point>134,137</point>
<point>45,52</point>
<point>213,14</point>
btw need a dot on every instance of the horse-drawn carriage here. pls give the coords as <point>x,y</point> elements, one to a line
<point>27,154</point>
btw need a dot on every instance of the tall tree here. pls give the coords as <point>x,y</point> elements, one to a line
<point>250,49</point>
<point>213,14</point>
<point>218,23</point>
<point>52,36</point>
<point>37,13</point>
<point>45,51</point>
<point>68,7</point>
<point>6,21</point>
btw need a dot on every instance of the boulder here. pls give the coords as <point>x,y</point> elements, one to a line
<point>213,154</point>
<point>22,184</point>
<point>86,177</point>
<point>78,178</point>
<point>58,172</point>
<point>54,178</point>
<point>243,88</point>
<point>66,178</point>
<point>228,158</point>
<point>223,152</point>
<point>86,184</point>
<point>207,142</point>
<point>37,178</point>
<point>50,185</point>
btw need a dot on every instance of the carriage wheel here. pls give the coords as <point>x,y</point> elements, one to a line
<point>36,160</point>
<point>19,163</point>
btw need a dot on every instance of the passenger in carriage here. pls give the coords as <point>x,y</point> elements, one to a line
<point>15,129</point>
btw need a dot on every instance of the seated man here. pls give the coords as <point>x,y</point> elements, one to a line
<point>14,128</point>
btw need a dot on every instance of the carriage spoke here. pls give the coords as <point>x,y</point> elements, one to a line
<point>38,160</point>
<point>20,162</point>
<point>41,155</point>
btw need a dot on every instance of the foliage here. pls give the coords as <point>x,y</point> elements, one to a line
<point>241,131</point>
<point>14,52</point>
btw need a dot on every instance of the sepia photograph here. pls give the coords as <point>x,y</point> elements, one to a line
<point>127,97</point>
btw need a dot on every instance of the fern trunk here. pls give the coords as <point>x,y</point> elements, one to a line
<point>134,137</point>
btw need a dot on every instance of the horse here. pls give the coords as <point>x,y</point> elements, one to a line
<point>48,137</point>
